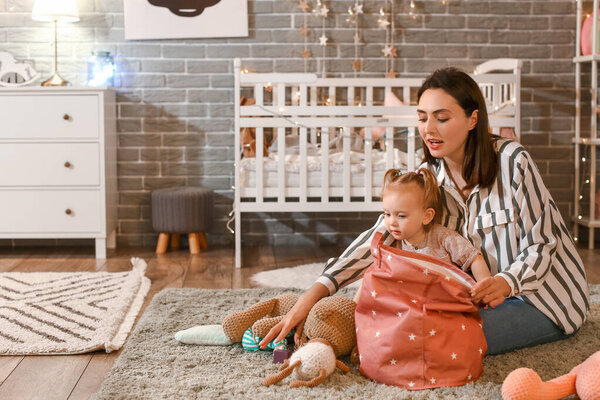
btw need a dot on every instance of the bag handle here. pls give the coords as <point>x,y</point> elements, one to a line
<point>450,307</point>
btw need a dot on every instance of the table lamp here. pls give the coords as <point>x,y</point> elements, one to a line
<point>55,11</point>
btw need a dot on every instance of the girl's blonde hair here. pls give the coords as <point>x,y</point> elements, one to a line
<point>395,179</point>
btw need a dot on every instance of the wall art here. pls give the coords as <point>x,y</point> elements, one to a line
<point>171,19</point>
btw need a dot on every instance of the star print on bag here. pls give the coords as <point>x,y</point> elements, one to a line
<point>418,327</point>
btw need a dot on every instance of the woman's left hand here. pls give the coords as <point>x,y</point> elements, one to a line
<point>491,291</point>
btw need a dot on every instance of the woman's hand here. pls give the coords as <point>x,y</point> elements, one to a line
<point>296,317</point>
<point>491,291</point>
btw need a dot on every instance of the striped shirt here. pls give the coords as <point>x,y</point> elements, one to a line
<point>519,230</point>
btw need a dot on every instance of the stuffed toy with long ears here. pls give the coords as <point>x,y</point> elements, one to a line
<point>311,364</point>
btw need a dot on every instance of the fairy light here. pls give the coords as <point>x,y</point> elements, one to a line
<point>244,71</point>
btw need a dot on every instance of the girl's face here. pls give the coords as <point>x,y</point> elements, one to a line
<point>443,124</point>
<point>405,216</point>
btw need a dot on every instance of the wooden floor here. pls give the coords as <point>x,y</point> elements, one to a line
<point>79,376</point>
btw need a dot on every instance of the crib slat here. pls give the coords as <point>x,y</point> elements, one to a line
<point>303,166</point>
<point>411,150</point>
<point>324,165</point>
<point>259,98</point>
<point>389,147</point>
<point>345,132</point>
<point>368,149</point>
<point>313,103</point>
<point>259,165</point>
<point>279,97</point>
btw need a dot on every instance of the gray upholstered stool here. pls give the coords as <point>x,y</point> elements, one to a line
<point>180,210</point>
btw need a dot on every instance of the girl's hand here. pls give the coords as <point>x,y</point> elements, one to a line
<point>296,317</point>
<point>491,291</point>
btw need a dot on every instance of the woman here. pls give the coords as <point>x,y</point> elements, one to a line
<point>494,196</point>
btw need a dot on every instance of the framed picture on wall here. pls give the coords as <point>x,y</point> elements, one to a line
<point>171,19</point>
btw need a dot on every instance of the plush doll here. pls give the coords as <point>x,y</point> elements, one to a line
<point>248,135</point>
<point>332,319</point>
<point>247,326</point>
<point>583,380</point>
<point>311,363</point>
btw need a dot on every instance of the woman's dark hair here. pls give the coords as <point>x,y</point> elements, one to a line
<point>480,165</point>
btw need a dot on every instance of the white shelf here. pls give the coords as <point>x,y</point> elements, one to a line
<point>589,121</point>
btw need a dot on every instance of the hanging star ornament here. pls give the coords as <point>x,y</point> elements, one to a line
<point>324,11</point>
<point>383,23</point>
<point>356,65</point>
<point>304,31</point>
<point>323,40</point>
<point>306,54</point>
<point>389,51</point>
<point>303,5</point>
<point>391,74</point>
<point>358,8</point>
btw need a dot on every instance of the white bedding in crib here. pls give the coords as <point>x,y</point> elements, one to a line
<point>313,168</point>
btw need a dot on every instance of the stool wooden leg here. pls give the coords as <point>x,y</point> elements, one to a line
<point>194,243</point>
<point>203,241</point>
<point>163,242</point>
<point>175,241</point>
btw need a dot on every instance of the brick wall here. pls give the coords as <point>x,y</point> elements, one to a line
<point>175,96</point>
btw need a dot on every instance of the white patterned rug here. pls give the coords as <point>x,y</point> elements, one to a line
<point>300,277</point>
<point>69,313</point>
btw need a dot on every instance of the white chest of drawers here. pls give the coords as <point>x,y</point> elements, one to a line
<point>58,164</point>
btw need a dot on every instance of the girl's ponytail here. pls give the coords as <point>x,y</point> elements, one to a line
<point>425,179</point>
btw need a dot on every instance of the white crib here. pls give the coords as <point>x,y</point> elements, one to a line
<point>338,137</point>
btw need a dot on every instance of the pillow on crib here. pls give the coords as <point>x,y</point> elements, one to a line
<point>390,100</point>
<point>292,145</point>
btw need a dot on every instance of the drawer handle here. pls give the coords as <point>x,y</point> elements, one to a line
<point>68,211</point>
<point>66,117</point>
<point>67,164</point>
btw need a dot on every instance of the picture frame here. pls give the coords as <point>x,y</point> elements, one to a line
<point>178,19</point>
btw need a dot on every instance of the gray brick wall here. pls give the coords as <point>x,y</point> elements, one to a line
<point>175,96</point>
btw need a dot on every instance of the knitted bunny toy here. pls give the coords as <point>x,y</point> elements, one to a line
<point>330,332</point>
<point>583,380</point>
<point>311,363</point>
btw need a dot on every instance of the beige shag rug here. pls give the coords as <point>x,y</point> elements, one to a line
<point>155,366</point>
<point>300,277</point>
<point>69,313</point>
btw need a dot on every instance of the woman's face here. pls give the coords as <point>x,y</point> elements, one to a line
<point>443,125</point>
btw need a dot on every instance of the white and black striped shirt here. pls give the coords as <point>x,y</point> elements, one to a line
<point>519,230</point>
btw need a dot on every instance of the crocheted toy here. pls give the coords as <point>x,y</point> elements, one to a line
<point>583,380</point>
<point>311,364</point>
<point>332,319</point>
<point>328,333</point>
<point>247,326</point>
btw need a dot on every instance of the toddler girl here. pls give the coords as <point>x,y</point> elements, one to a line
<point>412,204</point>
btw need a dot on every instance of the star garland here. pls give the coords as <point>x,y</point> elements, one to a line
<point>322,11</point>
<point>389,50</point>
<point>304,31</point>
<point>353,20</point>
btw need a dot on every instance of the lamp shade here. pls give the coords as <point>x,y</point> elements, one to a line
<point>59,10</point>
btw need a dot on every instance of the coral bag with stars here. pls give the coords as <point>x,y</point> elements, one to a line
<point>415,325</point>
